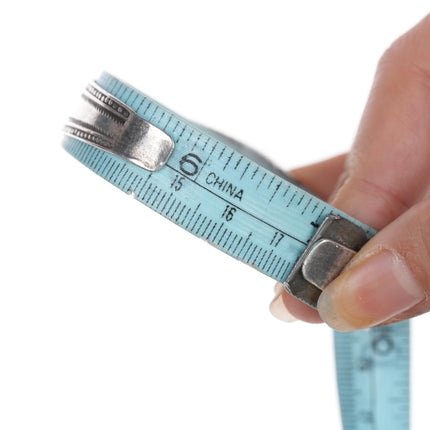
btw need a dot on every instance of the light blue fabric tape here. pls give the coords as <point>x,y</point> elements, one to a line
<point>216,191</point>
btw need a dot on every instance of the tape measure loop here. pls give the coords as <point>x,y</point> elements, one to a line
<point>236,200</point>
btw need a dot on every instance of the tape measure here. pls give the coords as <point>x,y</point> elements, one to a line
<point>236,200</point>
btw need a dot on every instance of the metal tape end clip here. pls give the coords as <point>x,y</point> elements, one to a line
<point>107,123</point>
<point>334,244</point>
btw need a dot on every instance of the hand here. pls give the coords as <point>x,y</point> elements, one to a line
<point>384,182</point>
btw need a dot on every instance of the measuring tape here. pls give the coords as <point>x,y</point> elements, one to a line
<point>236,200</point>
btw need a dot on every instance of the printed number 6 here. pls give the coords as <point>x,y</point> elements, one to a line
<point>189,164</point>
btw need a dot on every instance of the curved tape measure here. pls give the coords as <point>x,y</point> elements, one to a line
<point>239,202</point>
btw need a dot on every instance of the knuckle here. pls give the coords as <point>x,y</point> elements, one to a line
<point>388,200</point>
<point>408,53</point>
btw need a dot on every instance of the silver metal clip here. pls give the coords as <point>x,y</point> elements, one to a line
<point>335,242</point>
<point>109,124</point>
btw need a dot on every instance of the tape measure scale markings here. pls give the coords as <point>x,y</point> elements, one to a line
<point>236,200</point>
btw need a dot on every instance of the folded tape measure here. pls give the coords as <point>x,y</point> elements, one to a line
<point>236,200</point>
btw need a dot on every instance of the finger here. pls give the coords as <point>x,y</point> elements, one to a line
<point>387,170</point>
<point>277,306</point>
<point>388,281</point>
<point>320,178</point>
<point>300,310</point>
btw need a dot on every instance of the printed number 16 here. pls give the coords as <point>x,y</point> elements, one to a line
<point>228,213</point>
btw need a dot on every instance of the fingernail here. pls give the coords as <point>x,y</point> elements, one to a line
<point>372,291</point>
<point>277,307</point>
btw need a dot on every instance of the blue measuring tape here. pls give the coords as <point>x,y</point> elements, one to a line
<point>219,190</point>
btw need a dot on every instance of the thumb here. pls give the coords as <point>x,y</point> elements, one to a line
<point>388,280</point>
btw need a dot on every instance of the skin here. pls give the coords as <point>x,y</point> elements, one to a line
<point>384,181</point>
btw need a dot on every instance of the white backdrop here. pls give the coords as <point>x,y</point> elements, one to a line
<point>112,317</point>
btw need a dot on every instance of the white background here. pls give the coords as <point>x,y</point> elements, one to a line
<point>110,316</point>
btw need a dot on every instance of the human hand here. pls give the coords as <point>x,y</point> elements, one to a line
<point>384,182</point>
